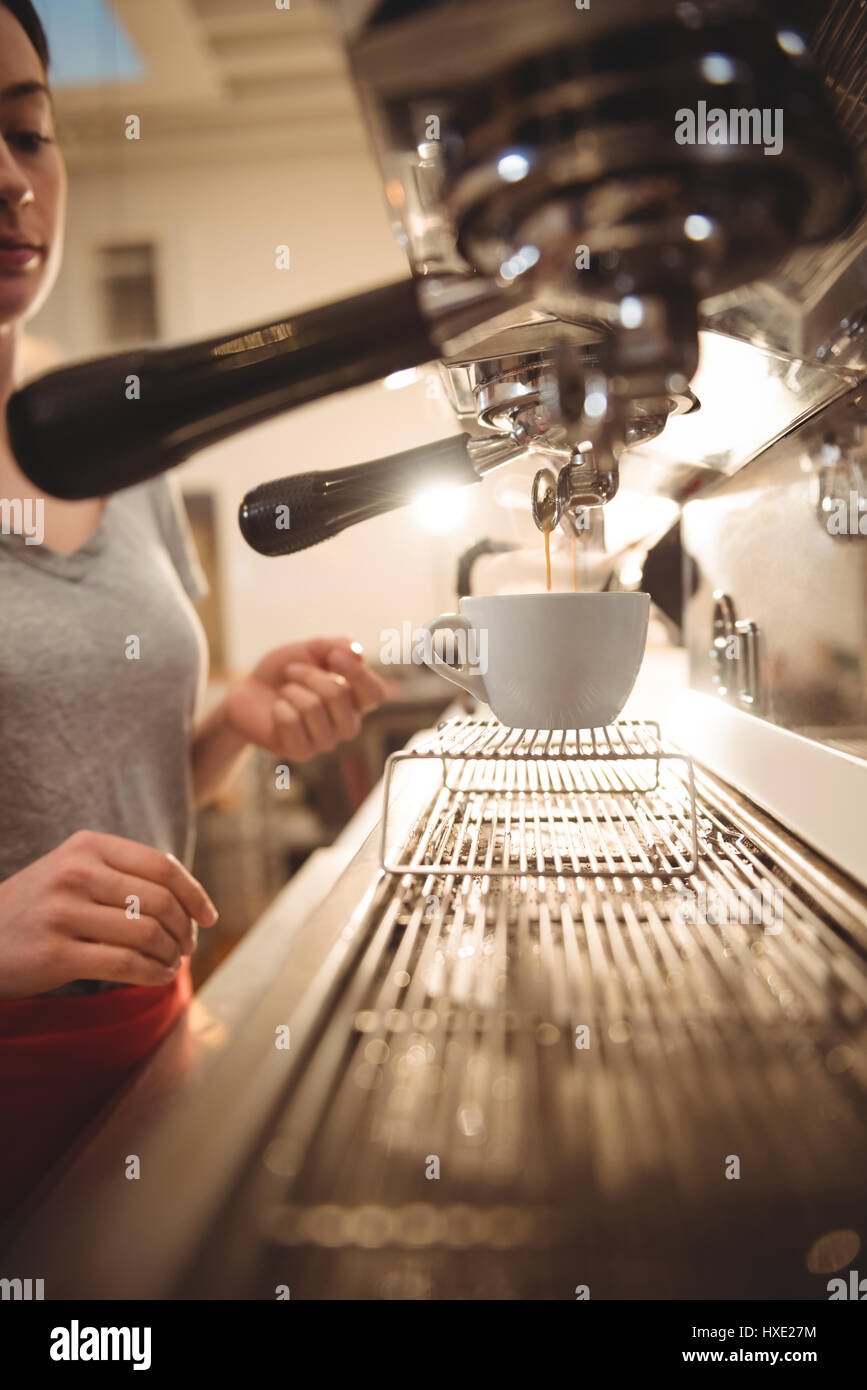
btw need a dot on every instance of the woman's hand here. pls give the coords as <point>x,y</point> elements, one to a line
<point>304,698</point>
<point>65,918</point>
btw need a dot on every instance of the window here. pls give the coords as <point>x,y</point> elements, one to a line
<point>129,293</point>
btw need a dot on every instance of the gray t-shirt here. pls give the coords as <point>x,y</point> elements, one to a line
<point>102,663</point>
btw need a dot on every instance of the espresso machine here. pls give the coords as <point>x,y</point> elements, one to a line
<point>536,1052</point>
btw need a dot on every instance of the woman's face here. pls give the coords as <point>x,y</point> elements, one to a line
<point>32,179</point>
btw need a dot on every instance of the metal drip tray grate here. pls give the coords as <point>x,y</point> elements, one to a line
<point>518,1085</point>
<point>598,802</point>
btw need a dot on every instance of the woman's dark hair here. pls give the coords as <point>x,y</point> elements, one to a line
<point>31,24</point>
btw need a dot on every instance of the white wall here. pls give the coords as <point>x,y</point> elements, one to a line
<point>217,228</point>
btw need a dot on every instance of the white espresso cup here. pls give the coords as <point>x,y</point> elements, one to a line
<point>545,661</point>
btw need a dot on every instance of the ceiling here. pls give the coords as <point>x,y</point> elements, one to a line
<point>222,79</point>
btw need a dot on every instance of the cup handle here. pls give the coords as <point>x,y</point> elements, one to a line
<point>454,622</point>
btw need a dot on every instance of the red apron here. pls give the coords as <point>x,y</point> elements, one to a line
<point>60,1061</point>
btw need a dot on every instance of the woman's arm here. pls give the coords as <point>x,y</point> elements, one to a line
<point>217,754</point>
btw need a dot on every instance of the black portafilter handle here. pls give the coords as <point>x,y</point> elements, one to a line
<point>293,513</point>
<point>95,427</point>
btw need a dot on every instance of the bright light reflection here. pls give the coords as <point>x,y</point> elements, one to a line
<point>398,379</point>
<point>631,311</point>
<point>791,42</point>
<point>697,227</point>
<point>513,167</point>
<point>717,68</point>
<point>521,261</point>
<point>630,573</point>
<point>440,509</point>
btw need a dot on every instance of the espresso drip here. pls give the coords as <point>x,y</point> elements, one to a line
<point>547,535</point>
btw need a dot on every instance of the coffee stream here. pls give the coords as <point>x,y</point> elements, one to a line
<point>548,562</point>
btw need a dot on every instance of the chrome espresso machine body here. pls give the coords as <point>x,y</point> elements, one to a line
<point>599,1029</point>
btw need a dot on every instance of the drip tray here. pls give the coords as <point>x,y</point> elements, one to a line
<point>600,802</point>
<point>645,1085</point>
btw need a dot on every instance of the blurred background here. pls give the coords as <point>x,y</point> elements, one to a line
<point>251,192</point>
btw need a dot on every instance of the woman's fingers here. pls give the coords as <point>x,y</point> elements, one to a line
<point>161,870</point>
<point>335,695</point>
<point>368,689</point>
<point>317,709</point>
<point>114,889</point>
<point>312,651</point>
<point>314,715</point>
<point>97,907</point>
<point>110,926</point>
<point>320,648</point>
<point>292,738</point>
<point>91,960</point>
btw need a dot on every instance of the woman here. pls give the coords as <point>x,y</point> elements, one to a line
<point>102,660</point>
